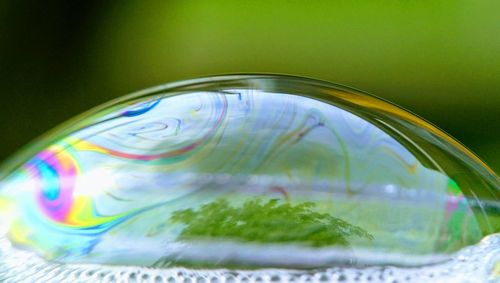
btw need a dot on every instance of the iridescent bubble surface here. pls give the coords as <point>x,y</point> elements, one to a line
<point>249,173</point>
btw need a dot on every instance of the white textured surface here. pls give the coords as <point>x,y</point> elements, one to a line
<point>472,264</point>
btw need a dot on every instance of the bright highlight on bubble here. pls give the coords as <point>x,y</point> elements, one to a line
<point>261,177</point>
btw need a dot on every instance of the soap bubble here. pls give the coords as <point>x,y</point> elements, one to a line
<point>248,178</point>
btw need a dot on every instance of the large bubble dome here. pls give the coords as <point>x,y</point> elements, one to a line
<point>248,178</point>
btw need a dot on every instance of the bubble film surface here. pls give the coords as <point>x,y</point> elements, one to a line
<point>243,174</point>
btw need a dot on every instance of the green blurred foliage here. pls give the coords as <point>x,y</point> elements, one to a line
<point>266,222</point>
<point>439,59</point>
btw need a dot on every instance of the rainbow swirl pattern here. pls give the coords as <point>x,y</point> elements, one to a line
<point>115,182</point>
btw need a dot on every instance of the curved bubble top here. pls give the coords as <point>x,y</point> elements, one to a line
<point>248,171</point>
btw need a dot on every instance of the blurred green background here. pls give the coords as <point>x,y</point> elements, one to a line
<point>439,59</point>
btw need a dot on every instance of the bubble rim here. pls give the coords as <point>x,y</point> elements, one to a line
<point>357,97</point>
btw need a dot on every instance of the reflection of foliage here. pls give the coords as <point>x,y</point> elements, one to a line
<point>271,222</point>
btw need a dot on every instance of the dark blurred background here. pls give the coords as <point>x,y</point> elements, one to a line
<point>439,59</point>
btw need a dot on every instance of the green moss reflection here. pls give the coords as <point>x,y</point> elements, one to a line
<point>266,222</point>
